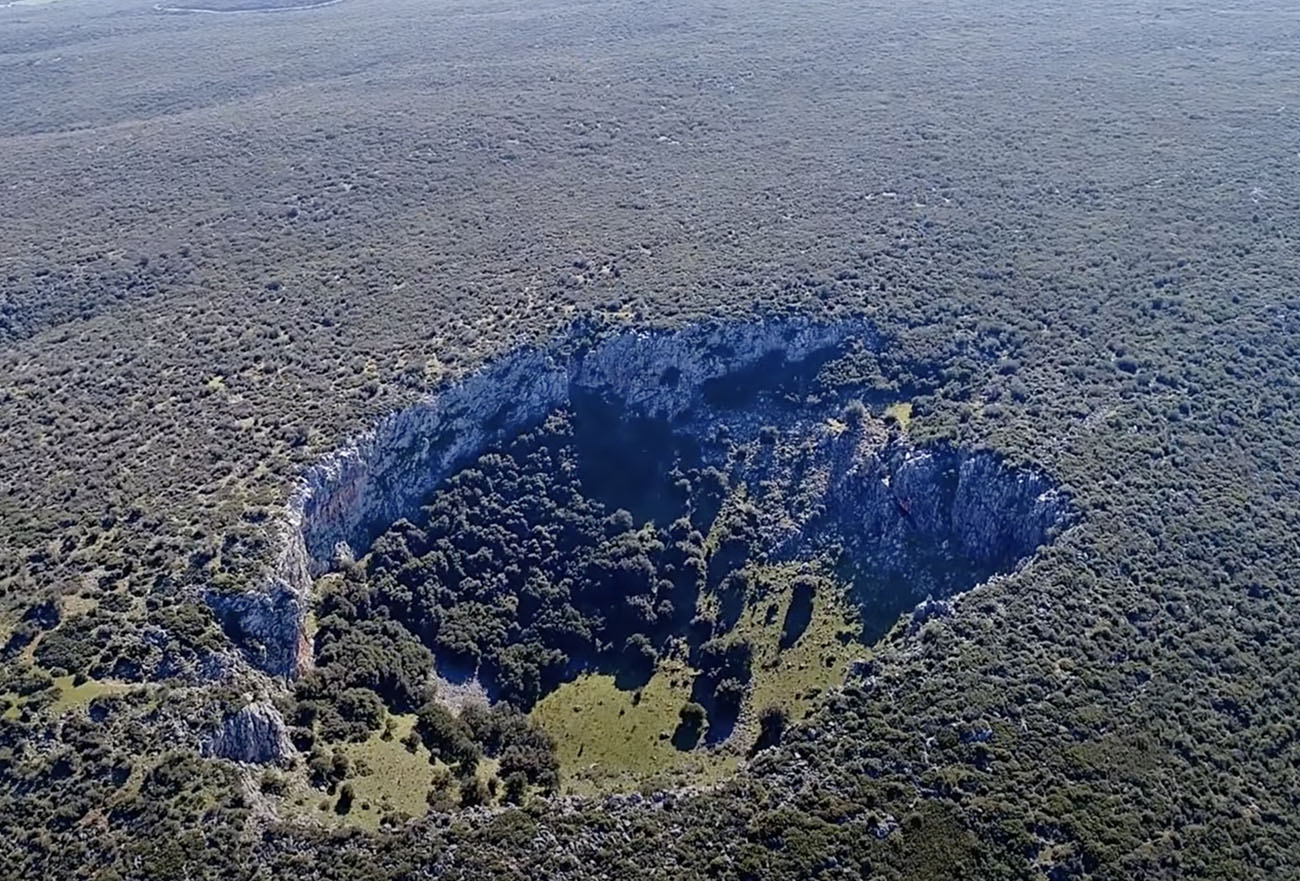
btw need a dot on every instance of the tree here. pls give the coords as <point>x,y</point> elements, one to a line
<point>516,787</point>
<point>800,612</point>
<point>690,725</point>
<point>639,658</point>
<point>446,737</point>
<point>855,413</point>
<point>692,715</point>
<point>772,721</point>
<point>724,658</point>
<point>346,796</point>
<point>361,705</point>
<point>473,792</point>
<point>442,791</point>
<point>728,695</point>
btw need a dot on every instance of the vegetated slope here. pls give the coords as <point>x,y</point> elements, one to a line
<point>1087,216</point>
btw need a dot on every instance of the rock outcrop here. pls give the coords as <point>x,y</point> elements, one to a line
<point>267,622</point>
<point>943,518</point>
<point>914,521</point>
<point>254,734</point>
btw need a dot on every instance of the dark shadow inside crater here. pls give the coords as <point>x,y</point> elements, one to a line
<point>799,614</point>
<point>629,461</point>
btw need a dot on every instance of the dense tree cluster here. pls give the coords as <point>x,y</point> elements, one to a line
<point>723,681</point>
<point>525,753</point>
<point>518,574</point>
<point>360,662</point>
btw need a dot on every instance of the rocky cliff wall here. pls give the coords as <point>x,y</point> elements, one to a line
<point>967,504</point>
<point>920,521</point>
<point>906,521</point>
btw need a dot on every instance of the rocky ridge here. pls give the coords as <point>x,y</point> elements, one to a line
<point>255,734</point>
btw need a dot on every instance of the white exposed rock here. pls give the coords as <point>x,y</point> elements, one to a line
<point>927,609</point>
<point>884,827</point>
<point>254,734</point>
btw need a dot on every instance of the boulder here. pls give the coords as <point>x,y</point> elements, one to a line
<point>926,610</point>
<point>255,734</point>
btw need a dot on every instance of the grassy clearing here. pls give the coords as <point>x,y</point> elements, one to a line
<point>78,604</point>
<point>75,696</point>
<point>67,696</point>
<point>793,678</point>
<point>388,776</point>
<point>608,740</point>
<point>902,412</point>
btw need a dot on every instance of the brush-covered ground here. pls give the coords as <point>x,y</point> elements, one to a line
<point>232,242</point>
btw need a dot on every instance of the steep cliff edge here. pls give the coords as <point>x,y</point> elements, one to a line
<point>353,494</point>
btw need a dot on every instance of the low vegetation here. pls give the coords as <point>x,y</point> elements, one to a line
<point>612,738</point>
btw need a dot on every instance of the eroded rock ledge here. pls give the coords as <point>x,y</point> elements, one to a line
<point>969,504</point>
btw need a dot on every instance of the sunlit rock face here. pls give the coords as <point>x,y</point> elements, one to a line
<point>255,734</point>
<point>745,397</point>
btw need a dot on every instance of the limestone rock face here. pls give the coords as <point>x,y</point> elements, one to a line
<point>255,734</point>
<point>918,521</point>
<point>384,475</point>
<point>965,505</point>
<point>997,511</point>
<point>268,624</point>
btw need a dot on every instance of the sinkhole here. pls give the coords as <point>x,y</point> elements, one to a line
<point>700,504</point>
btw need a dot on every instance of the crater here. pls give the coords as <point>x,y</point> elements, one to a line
<point>715,518</point>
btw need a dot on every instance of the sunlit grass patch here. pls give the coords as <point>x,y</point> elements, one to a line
<point>818,659</point>
<point>902,413</point>
<point>388,776</point>
<point>73,696</point>
<point>609,739</point>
